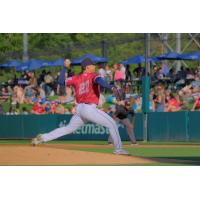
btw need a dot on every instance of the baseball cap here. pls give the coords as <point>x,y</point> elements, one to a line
<point>87,62</point>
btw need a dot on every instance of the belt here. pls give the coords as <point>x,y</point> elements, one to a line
<point>89,103</point>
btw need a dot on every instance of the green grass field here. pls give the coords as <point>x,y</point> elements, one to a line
<point>175,153</point>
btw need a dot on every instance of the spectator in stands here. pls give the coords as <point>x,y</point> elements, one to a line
<point>102,100</point>
<point>118,75</point>
<point>123,70</point>
<point>165,69</point>
<point>159,98</point>
<point>198,71</point>
<point>53,107</point>
<point>24,79</point>
<point>14,80</point>
<point>102,74</point>
<point>182,74</point>
<point>172,105</point>
<point>160,75</point>
<point>132,101</point>
<point>109,74</point>
<point>32,80</point>
<point>41,92</point>
<point>196,82</point>
<point>171,75</point>
<point>151,101</point>
<point>5,94</point>
<point>41,77</point>
<point>18,96</point>
<point>128,89</point>
<point>38,109</point>
<point>102,71</point>
<point>137,104</point>
<point>167,95</point>
<point>128,73</point>
<point>29,90</point>
<point>185,94</point>
<point>61,87</point>
<point>154,73</point>
<point>121,95</point>
<point>190,73</point>
<point>29,95</point>
<point>60,109</point>
<point>70,94</point>
<point>4,91</point>
<point>196,105</point>
<point>47,108</point>
<point>48,84</point>
<point>138,71</point>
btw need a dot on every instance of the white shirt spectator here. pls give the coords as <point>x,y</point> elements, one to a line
<point>102,100</point>
<point>123,70</point>
<point>108,72</point>
<point>102,72</point>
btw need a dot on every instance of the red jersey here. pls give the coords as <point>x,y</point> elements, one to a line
<point>174,102</point>
<point>38,109</point>
<point>197,103</point>
<point>87,91</point>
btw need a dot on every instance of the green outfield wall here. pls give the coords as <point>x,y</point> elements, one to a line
<point>177,126</point>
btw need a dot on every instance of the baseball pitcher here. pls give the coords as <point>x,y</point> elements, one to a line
<point>87,92</point>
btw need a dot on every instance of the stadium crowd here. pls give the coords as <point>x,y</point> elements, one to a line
<point>47,94</point>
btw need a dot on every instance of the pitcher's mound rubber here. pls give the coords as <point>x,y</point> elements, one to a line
<point>28,155</point>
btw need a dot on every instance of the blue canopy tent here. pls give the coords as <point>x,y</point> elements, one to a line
<point>191,56</point>
<point>134,60</point>
<point>138,59</point>
<point>45,63</point>
<point>154,59</point>
<point>10,64</point>
<point>23,66</point>
<point>170,56</point>
<point>96,59</point>
<point>33,65</point>
<point>58,62</point>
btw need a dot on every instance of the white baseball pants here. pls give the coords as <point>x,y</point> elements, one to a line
<point>87,113</point>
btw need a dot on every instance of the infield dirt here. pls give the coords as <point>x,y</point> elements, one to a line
<point>49,154</point>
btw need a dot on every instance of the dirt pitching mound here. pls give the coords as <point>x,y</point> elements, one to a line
<point>44,155</point>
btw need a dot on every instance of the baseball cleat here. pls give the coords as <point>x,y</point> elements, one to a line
<point>121,152</point>
<point>37,140</point>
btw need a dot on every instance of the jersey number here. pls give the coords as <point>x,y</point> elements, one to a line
<point>84,87</point>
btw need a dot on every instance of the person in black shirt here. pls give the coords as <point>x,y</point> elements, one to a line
<point>182,74</point>
<point>41,78</point>
<point>61,89</point>
<point>120,114</point>
<point>128,73</point>
<point>139,71</point>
